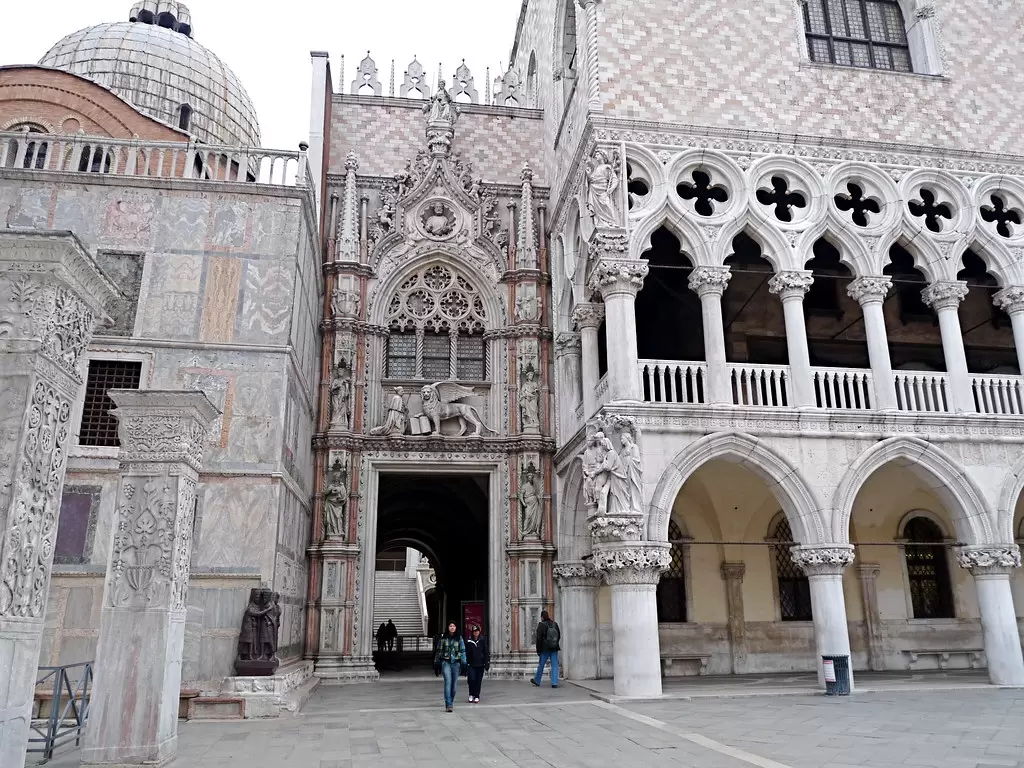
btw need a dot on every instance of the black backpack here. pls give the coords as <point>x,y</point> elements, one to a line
<point>551,637</point>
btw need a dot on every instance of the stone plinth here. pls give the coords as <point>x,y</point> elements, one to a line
<point>285,691</point>
<point>51,296</point>
<point>134,709</point>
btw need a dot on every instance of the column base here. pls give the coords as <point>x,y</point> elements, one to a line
<point>150,755</point>
<point>271,696</point>
<point>19,660</point>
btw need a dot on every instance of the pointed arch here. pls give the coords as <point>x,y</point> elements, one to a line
<point>775,248</point>
<point>998,259</point>
<point>940,472</point>
<point>796,498</point>
<point>1013,487</point>
<point>572,537</point>
<point>853,252</point>
<point>927,257</point>
<point>691,239</point>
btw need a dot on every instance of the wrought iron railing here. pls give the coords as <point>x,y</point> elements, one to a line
<point>69,707</point>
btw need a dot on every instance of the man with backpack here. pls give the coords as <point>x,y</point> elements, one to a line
<point>548,637</point>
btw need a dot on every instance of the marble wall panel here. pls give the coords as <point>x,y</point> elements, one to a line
<point>220,299</point>
<point>129,217</point>
<point>76,210</point>
<point>239,519</point>
<point>33,208</point>
<point>170,303</point>
<point>275,228</point>
<point>266,302</point>
<point>183,223</point>
<point>228,225</point>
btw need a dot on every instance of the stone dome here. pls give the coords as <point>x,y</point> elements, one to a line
<point>152,62</point>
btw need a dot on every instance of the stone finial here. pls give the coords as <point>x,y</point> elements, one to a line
<point>508,91</point>
<point>415,81</point>
<point>366,77</point>
<point>348,240</point>
<point>462,84</point>
<point>526,236</point>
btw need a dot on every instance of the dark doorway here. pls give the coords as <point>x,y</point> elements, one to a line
<point>445,517</point>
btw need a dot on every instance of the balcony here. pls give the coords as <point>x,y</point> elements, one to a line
<point>847,389</point>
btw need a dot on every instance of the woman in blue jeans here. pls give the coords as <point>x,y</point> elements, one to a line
<point>450,661</point>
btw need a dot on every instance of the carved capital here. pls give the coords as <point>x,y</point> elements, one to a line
<point>567,343</point>
<point>585,4</point>
<point>162,426</point>
<point>618,276</point>
<point>576,574</point>
<point>709,281</point>
<point>1010,300</point>
<point>869,290</point>
<point>792,284</point>
<point>733,571</point>
<point>822,560</point>
<point>868,571</point>
<point>588,315</point>
<point>995,559</point>
<point>946,294</point>
<point>641,563</point>
<point>616,528</point>
<point>925,9</point>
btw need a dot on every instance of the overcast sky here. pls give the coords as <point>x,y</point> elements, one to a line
<point>267,44</point>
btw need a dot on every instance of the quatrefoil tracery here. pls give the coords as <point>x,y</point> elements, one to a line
<point>858,204</point>
<point>437,298</point>
<point>931,210</point>
<point>1001,214</point>
<point>702,192</point>
<point>781,198</point>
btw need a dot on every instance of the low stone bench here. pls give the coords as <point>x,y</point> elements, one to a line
<point>683,664</point>
<point>975,657</point>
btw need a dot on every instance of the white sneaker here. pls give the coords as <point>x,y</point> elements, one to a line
<point>476,700</point>
<point>470,699</point>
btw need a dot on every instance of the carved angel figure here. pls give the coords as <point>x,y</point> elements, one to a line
<point>602,181</point>
<point>614,497</point>
<point>440,403</point>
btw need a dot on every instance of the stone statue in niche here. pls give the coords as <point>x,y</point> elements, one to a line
<point>438,220</point>
<point>441,403</point>
<point>395,421</point>
<point>530,502</point>
<point>257,641</point>
<point>529,398</point>
<point>602,181</point>
<point>341,395</point>
<point>633,465</point>
<point>336,501</point>
<point>441,108</point>
<point>593,478</point>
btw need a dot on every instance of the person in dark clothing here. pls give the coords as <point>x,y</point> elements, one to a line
<point>548,645</point>
<point>450,661</point>
<point>382,637</point>
<point>478,659</point>
<point>392,635</point>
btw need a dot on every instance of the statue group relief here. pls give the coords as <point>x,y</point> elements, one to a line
<point>439,402</point>
<point>258,638</point>
<point>613,478</point>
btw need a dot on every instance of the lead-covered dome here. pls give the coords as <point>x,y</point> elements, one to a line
<point>152,62</point>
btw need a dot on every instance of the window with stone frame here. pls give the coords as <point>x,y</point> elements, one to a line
<point>931,591</point>
<point>436,323</point>
<point>35,151</point>
<point>871,34</point>
<point>794,588</point>
<point>99,426</point>
<point>76,525</point>
<point>671,594</point>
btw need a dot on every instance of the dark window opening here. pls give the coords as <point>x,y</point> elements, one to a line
<point>671,592</point>
<point>602,349</point>
<point>857,204</point>
<point>99,425</point>
<point>470,353</point>
<point>702,192</point>
<point>752,334</point>
<point>794,588</point>
<point>35,151</point>
<point>857,33</point>
<point>823,297</point>
<point>401,358</point>
<point>931,593</point>
<point>185,117</point>
<point>569,49</point>
<point>908,283</point>
<point>986,328</point>
<point>73,539</point>
<point>1000,214</point>
<point>668,314</point>
<point>637,189</point>
<point>437,355</point>
<point>931,211</point>
<point>95,160</point>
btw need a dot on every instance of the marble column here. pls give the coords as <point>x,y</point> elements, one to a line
<point>568,350</point>
<point>868,574</point>
<point>945,297</point>
<point>824,566</point>
<point>133,713</point>
<point>578,583</point>
<point>709,283</point>
<point>618,280</point>
<point>791,287</point>
<point>870,293</point>
<point>593,83</point>
<point>51,296</point>
<point>992,567</point>
<point>633,570</point>
<point>1011,301</point>
<point>732,574</point>
<point>588,318</point>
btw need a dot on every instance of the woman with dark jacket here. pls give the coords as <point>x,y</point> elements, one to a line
<point>450,661</point>
<point>478,657</point>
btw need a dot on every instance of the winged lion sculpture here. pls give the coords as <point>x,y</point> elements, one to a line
<point>440,403</point>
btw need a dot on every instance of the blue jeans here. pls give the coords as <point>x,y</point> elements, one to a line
<point>544,656</point>
<point>450,673</point>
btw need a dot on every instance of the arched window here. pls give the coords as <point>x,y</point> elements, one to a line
<point>931,593</point>
<point>95,160</point>
<point>32,153</point>
<point>185,117</point>
<point>436,321</point>
<point>857,33</point>
<point>794,589</point>
<point>569,48</point>
<point>671,593</point>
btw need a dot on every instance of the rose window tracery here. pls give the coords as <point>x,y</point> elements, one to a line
<point>438,299</point>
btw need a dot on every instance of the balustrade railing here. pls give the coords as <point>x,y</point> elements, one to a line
<point>1001,395</point>
<point>765,385</point>
<point>922,391</point>
<point>665,381</point>
<point>849,389</point>
<point>152,159</point>
<point>68,690</point>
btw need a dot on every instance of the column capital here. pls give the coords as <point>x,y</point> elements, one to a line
<point>1010,300</point>
<point>822,560</point>
<point>868,570</point>
<point>162,426</point>
<point>567,343</point>
<point>989,560</point>
<point>576,573</point>
<point>734,571</point>
<point>632,562</point>
<point>589,315</point>
<point>709,281</point>
<point>791,284</point>
<point>870,289</point>
<point>584,4</point>
<point>945,294</point>
<point>613,276</point>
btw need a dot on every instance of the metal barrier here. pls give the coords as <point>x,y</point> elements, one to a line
<point>69,708</point>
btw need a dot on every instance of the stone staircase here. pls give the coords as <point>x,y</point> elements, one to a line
<point>395,597</point>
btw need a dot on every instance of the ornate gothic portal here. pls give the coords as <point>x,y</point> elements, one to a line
<point>436,430</point>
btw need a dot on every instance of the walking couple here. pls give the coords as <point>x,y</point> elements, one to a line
<point>454,657</point>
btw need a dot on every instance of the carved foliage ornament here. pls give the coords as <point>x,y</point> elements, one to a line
<point>945,295</point>
<point>637,564</point>
<point>141,570</point>
<point>866,289</point>
<point>709,280</point>
<point>822,560</point>
<point>612,276</point>
<point>1010,300</point>
<point>791,283</point>
<point>1007,556</point>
